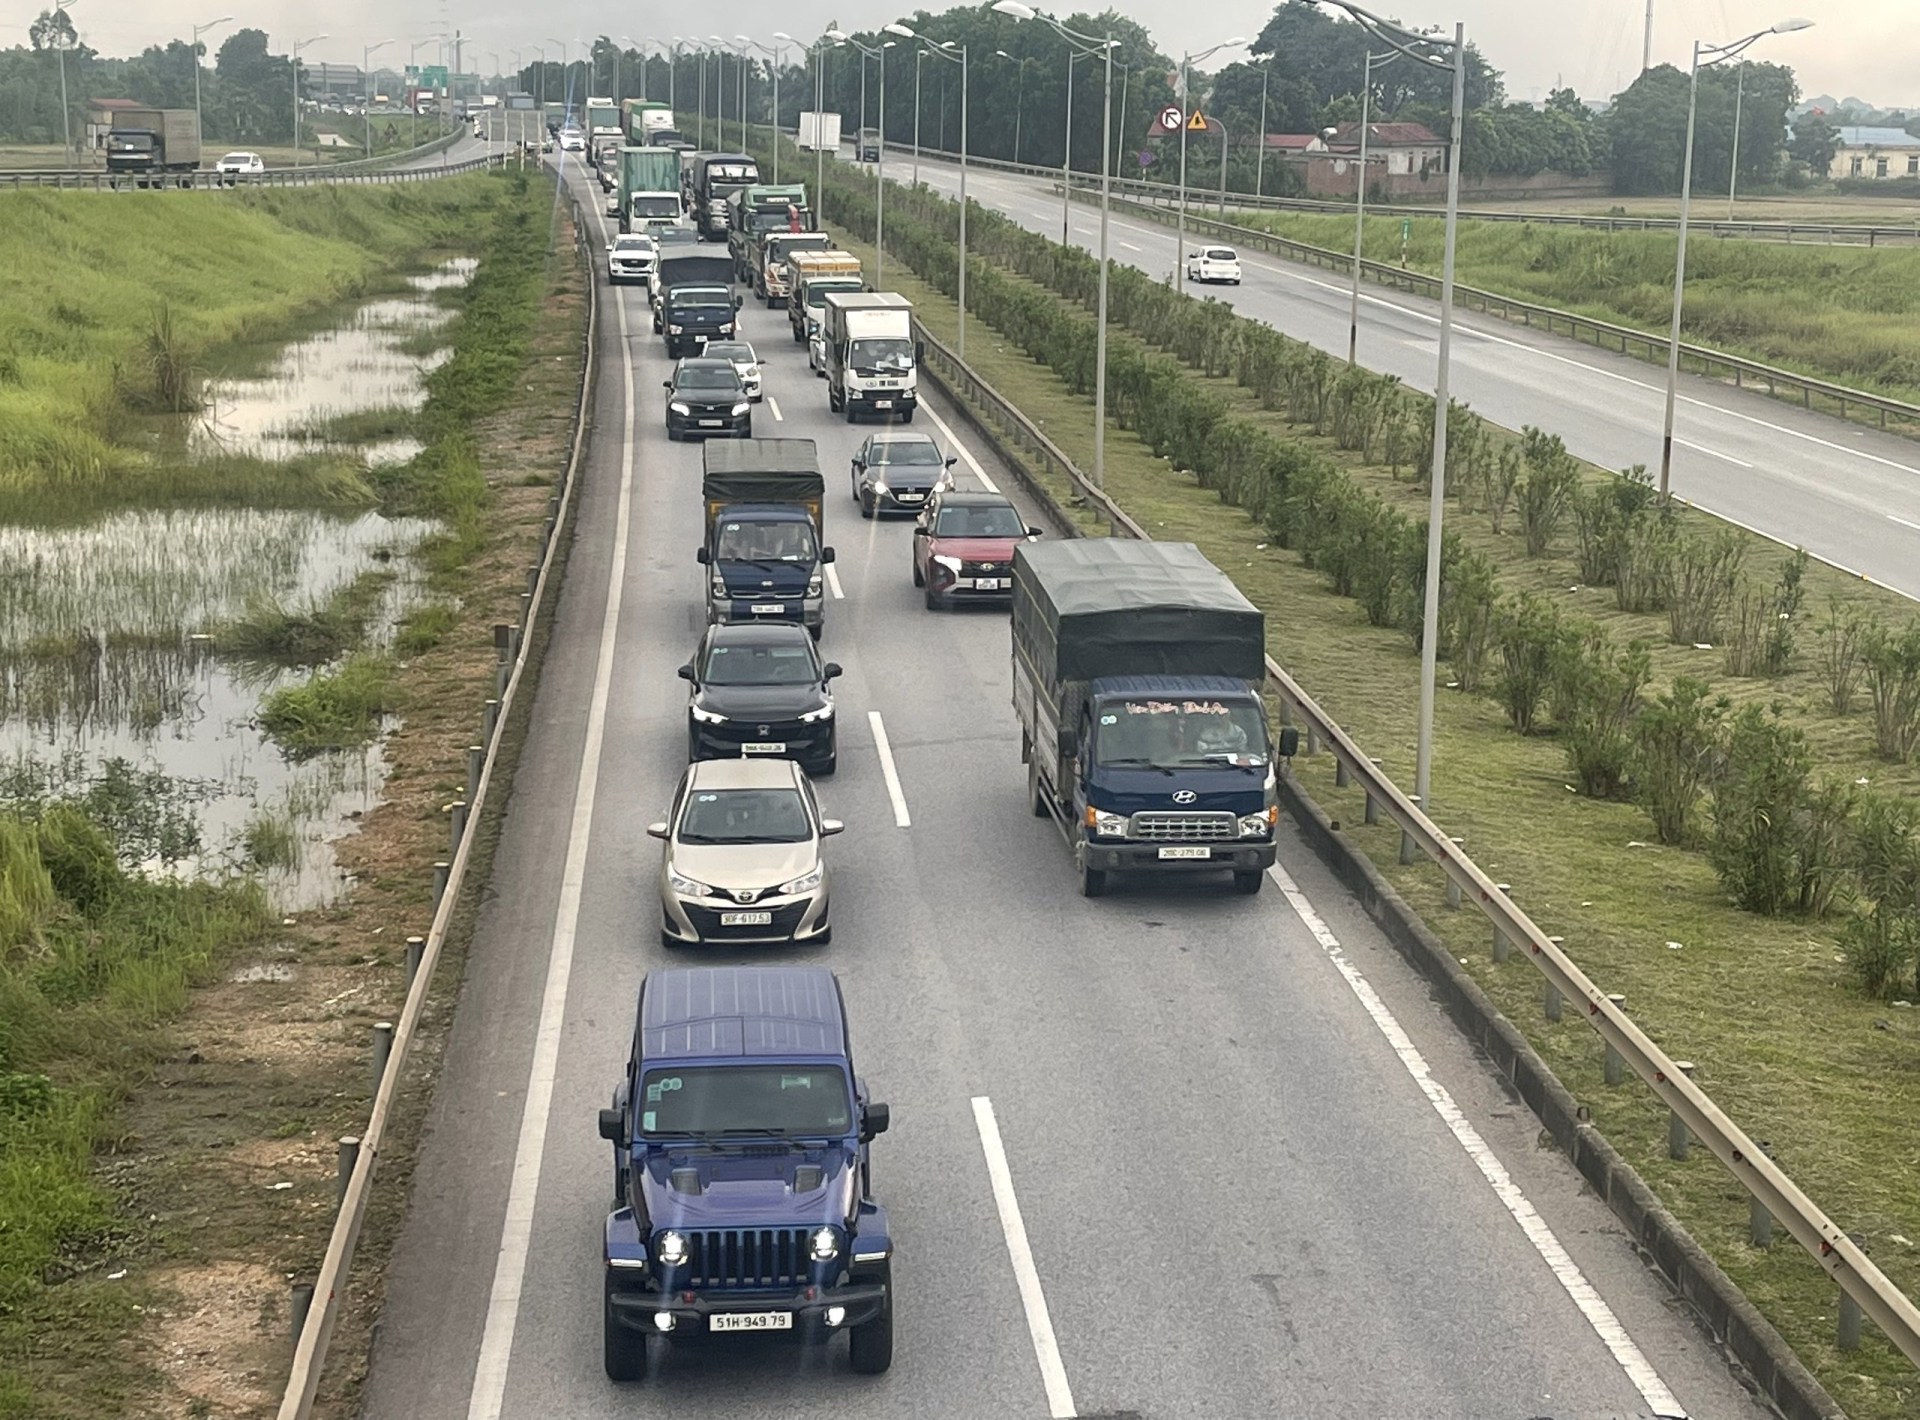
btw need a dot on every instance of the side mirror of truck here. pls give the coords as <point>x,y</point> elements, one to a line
<point>701,556</point>
<point>873,1123</point>
<point>685,672</point>
<point>739,301</point>
<point>830,670</point>
<point>613,1126</point>
<point>1289,742</point>
<point>826,554</point>
<point>919,350</point>
<point>831,826</point>
<point>656,830</point>
<point>666,384</point>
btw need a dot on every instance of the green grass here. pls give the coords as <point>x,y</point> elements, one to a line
<point>272,632</point>
<point>336,709</point>
<point>425,627</point>
<point>85,334</point>
<point>1784,1041</point>
<point>1846,314</point>
<point>270,843</point>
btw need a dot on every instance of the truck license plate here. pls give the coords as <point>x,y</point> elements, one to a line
<point>711,423</point>
<point>751,919</point>
<point>883,404</point>
<point>751,1321</point>
<point>765,747</point>
<point>768,609</point>
<point>1197,851</point>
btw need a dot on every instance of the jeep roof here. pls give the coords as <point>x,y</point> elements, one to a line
<point>718,1011</point>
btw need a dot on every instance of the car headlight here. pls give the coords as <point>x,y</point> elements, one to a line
<point>674,330</point>
<point>671,1249</point>
<point>824,1244</point>
<point>685,886</point>
<point>1111,825</point>
<point>707,717</point>
<point>806,882</point>
<point>880,486</point>
<point>952,564</point>
<point>814,717</point>
<point>741,408</point>
<point>678,408</point>
<point>1258,825</point>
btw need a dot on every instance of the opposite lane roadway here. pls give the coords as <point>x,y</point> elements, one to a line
<point>1259,1172</point>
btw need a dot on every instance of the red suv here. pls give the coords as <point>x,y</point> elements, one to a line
<point>963,548</point>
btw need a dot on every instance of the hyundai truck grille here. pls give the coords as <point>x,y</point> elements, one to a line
<point>1157,827</point>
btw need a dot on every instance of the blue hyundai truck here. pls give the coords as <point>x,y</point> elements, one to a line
<point>762,551</point>
<point>1137,675</point>
<point>742,1198</point>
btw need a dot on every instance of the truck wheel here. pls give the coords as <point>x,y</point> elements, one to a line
<point>625,1351</point>
<point>906,416</point>
<point>1093,882</point>
<point>1247,884</point>
<point>853,415</point>
<point>1036,791</point>
<point>870,1346</point>
<point>798,338</point>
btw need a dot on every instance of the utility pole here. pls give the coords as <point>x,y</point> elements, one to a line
<point>1646,46</point>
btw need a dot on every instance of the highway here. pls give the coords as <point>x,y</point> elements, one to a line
<point>1255,1171</point>
<point>1848,494</point>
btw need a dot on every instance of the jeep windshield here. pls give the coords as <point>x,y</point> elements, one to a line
<point>1176,733</point>
<point>704,1101</point>
<point>881,357</point>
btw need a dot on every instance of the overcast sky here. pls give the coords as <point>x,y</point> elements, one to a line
<point>1861,47</point>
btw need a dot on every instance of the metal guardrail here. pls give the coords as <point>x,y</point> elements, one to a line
<point>201,179</point>
<point>1837,1254</point>
<point>314,1337</point>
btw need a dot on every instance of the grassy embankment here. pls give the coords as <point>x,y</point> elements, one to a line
<point>1846,314</point>
<point>94,964</point>
<point>1767,1006</point>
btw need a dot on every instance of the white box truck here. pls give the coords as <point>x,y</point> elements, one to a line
<point>871,356</point>
<point>819,130</point>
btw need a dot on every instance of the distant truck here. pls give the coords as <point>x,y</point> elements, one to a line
<point>762,551</point>
<point>1137,672</point>
<point>642,117</point>
<point>753,212</point>
<point>819,130</point>
<point>649,187</point>
<point>810,276</point>
<point>871,356</point>
<point>742,1188</point>
<point>716,177</point>
<point>603,119</point>
<point>150,142</point>
<point>770,268</point>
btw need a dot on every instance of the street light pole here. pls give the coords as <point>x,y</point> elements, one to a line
<point>1260,156</point>
<point>1066,155</point>
<point>199,30</point>
<point>1714,54</point>
<point>1733,169</point>
<point>366,78</point>
<point>1360,201</point>
<point>953,54</point>
<point>66,110</point>
<point>294,60</point>
<point>1223,169</point>
<point>919,56</point>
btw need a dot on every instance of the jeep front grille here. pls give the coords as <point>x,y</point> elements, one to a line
<point>748,1257</point>
<point>1158,827</point>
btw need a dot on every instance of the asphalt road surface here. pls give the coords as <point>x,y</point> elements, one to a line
<point>1255,1170</point>
<point>1848,494</point>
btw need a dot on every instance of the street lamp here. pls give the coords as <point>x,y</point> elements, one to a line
<point>1104,45</point>
<point>953,54</point>
<point>294,60</point>
<point>1019,96</point>
<point>199,30</point>
<point>919,57</point>
<point>1401,39</point>
<point>1187,62</point>
<point>366,78</point>
<point>1360,198</point>
<point>1714,54</point>
<point>413,102</point>
<point>66,112</point>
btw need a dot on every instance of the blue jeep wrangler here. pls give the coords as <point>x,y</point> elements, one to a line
<point>740,1171</point>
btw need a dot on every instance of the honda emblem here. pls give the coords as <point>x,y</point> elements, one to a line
<point>1185,796</point>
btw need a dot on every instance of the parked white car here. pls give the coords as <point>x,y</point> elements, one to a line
<point>1211,264</point>
<point>237,165</point>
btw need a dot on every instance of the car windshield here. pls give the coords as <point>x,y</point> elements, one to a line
<point>760,665</point>
<point>979,520</point>
<point>707,377</point>
<point>1221,254</point>
<point>807,1100</point>
<point>896,451</point>
<point>626,245</point>
<point>732,172</point>
<point>881,355</point>
<point>701,296</point>
<point>764,542</point>
<point>1180,733</point>
<point>745,816</point>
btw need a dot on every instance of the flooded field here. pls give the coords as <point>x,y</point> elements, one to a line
<point>125,676</point>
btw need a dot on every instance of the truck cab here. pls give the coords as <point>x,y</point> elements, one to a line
<point>810,276</point>
<point>742,1186</point>
<point>762,550</point>
<point>770,268</point>
<point>872,358</point>
<point>755,212</point>
<point>692,300</point>
<point>717,176</point>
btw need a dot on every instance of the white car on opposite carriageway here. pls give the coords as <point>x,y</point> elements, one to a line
<point>1214,264</point>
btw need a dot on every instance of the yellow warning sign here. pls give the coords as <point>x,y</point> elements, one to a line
<point>1197,123</point>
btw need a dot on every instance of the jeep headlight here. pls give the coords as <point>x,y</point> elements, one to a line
<point>824,1244</point>
<point>1108,825</point>
<point>679,408</point>
<point>671,1249</point>
<point>708,717</point>
<point>880,485</point>
<point>741,408</point>
<point>952,564</point>
<point>1258,825</point>
<point>806,882</point>
<point>685,886</point>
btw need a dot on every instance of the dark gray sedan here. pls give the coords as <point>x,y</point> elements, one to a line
<point>896,472</point>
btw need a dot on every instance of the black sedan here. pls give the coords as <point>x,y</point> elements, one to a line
<point>706,397</point>
<point>760,688</point>
<point>896,473</point>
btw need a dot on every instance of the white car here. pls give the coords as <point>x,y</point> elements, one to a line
<point>236,165</point>
<point>1214,264</point>
<point>572,140</point>
<point>630,258</point>
<point>816,349</point>
<point>740,355</point>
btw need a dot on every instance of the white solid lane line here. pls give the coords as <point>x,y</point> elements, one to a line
<point>774,405</point>
<point>1904,523</point>
<point>965,452</point>
<point>1046,1350</point>
<point>516,1232</point>
<point>1593,1307</point>
<point>887,770</point>
<point>1713,453</point>
<point>833,583</point>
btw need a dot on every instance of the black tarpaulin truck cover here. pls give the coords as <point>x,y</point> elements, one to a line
<point>694,269</point>
<point>762,471</point>
<point>1090,607</point>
